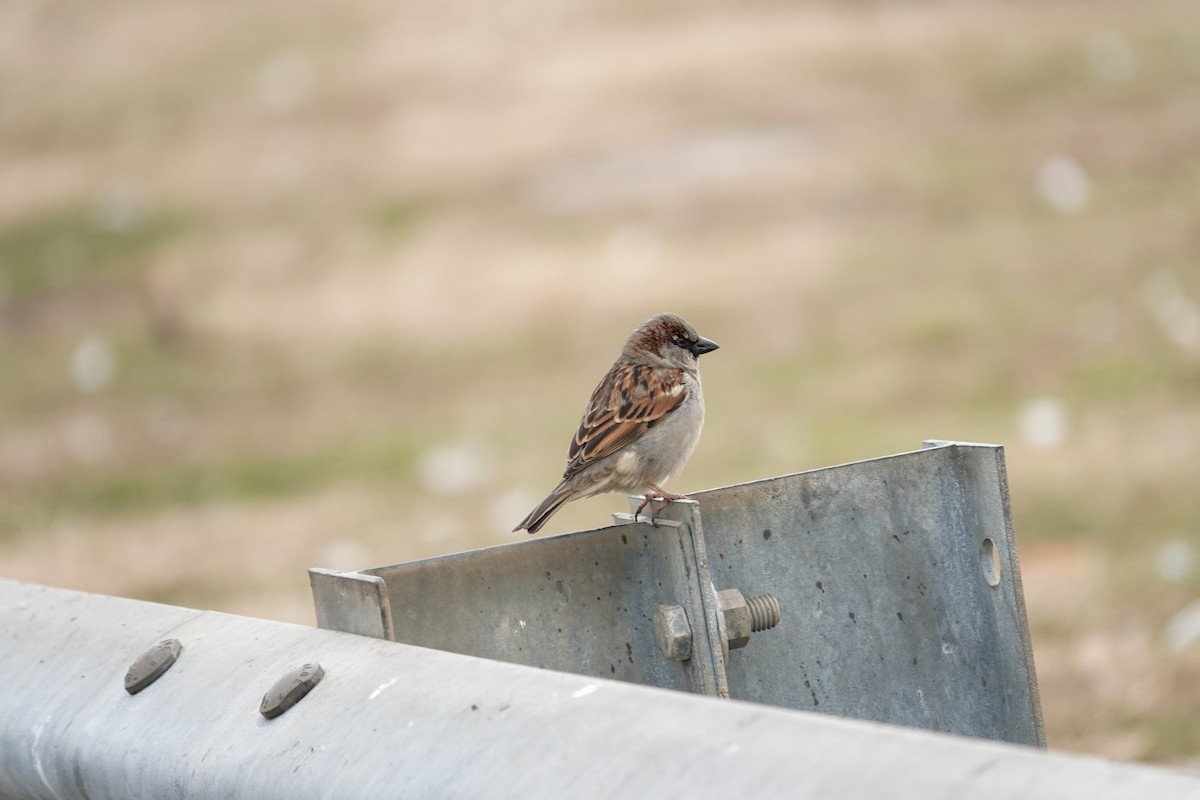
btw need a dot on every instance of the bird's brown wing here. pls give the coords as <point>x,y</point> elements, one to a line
<point>627,403</point>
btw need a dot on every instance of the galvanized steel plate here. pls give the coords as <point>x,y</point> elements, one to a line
<point>892,610</point>
<point>582,602</point>
<point>884,572</point>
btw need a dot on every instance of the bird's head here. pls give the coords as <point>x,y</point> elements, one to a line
<point>669,338</point>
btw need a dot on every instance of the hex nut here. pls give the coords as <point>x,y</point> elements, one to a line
<point>738,622</point>
<point>745,615</point>
<point>673,632</point>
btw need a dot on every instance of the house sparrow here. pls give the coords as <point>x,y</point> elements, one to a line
<point>642,422</point>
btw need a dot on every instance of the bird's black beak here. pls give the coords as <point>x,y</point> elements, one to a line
<point>702,346</point>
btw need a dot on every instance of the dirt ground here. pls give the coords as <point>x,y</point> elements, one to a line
<point>327,285</point>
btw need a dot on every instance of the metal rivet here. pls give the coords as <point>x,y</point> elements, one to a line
<point>290,689</point>
<point>150,665</point>
<point>673,632</point>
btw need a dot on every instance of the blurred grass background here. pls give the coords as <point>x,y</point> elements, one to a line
<point>327,284</point>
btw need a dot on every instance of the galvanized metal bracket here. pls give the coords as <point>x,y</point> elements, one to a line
<point>353,602</point>
<point>582,602</point>
<point>893,608</point>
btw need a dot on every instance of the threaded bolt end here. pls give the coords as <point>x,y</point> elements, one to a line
<point>765,612</point>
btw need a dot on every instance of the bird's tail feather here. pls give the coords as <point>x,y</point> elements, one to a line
<point>537,518</point>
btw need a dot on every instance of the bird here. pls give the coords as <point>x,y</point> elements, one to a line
<point>642,423</point>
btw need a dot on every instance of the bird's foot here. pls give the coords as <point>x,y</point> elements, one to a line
<point>657,493</point>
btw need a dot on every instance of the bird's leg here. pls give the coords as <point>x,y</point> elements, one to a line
<point>663,494</point>
<point>657,493</point>
<point>645,499</point>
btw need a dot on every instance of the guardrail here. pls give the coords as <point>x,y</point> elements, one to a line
<point>394,720</point>
<point>887,591</point>
<point>894,583</point>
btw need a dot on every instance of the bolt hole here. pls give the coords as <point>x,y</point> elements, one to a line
<point>989,562</point>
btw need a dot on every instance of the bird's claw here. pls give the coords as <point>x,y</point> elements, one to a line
<point>648,499</point>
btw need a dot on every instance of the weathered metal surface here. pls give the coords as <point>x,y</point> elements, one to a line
<point>709,647</point>
<point>887,609</point>
<point>891,608</point>
<point>391,720</point>
<point>582,602</point>
<point>352,602</point>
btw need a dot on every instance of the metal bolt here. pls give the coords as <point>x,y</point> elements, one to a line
<point>744,616</point>
<point>290,689</point>
<point>673,632</point>
<point>150,665</point>
<point>765,612</point>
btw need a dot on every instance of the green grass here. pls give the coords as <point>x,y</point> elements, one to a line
<point>72,248</point>
<point>244,477</point>
<point>396,218</point>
